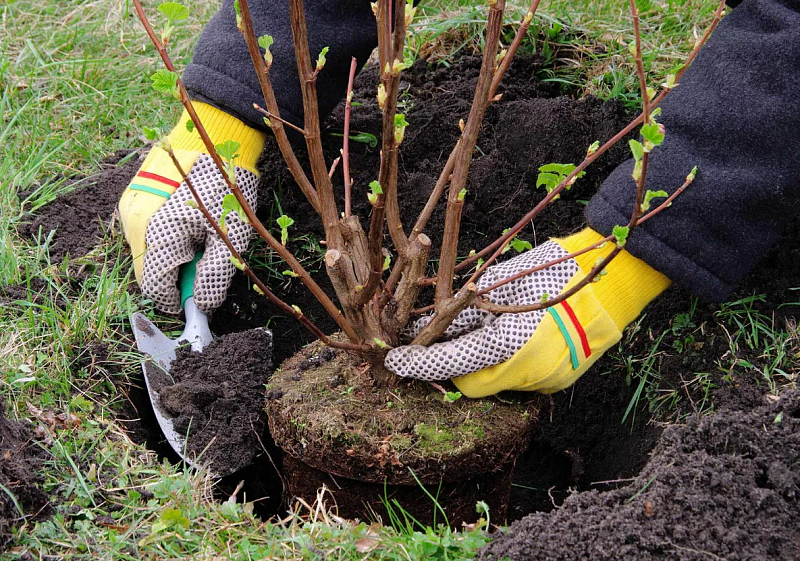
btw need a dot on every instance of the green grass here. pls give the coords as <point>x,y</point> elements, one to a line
<point>74,89</point>
<point>583,43</point>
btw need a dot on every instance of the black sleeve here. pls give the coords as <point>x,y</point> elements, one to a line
<point>735,115</point>
<point>222,74</point>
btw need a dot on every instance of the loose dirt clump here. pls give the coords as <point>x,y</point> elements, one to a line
<point>725,486</point>
<point>20,478</point>
<point>218,397</point>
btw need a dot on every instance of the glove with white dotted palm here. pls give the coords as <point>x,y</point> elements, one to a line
<point>177,231</point>
<point>164,232</point>
<point>543,350</point>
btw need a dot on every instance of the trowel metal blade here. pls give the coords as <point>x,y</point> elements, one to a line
<point>161,352</point>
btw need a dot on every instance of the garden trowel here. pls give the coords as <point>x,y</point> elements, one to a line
<point>161,350</point>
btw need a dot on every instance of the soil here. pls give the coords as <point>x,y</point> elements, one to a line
<point>21,462</point>
<point>581,443</point>
<point>80,217</point>
<point>726,486</point>
<point>334,425</point>
<point>214,398</point>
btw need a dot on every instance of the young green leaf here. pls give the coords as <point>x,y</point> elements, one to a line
<point>461,195</point>
<point>381,96</point>
<point>593,147</point>
<point>516,244</point>
<point>637,170</point>
<point>551,175</point>
<point>190,125</point>
<point>621,234</point>
<point>387,261</point>
<point>231,204</point>
<point>520,245</point>
<point>290,273</point>
<point>258,290</point>
<point>321,58</point>
<point>400,125</point>
<point>151,134</point>
<point>239,22</point>
<point>636,149</point>
<point>362,137</point>
<point>265,42</point>
<point>166,82</point>
<point>284,222</point>
<point>173,11</point>
<point>228,150</point>
<point>653,135</point>
<point>297,310</point>
<point>670,83</point>
<point>380,343</point>
<point>376,188</point>
<point>649,196</point>
<point>191,203</point>
<point>238,263</point>
<point>452,397</point>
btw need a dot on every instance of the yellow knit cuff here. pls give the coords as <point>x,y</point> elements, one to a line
<point>630,283</point>
<point>220,127</point>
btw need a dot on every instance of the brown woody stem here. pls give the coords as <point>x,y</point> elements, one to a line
<point>512,49</point>
<point>262,288</point>
<point>286,255</point>
<point>272,116</point>
<point>455,200</point>
<point>348,107</point>
<point>262,72</point>
<point>308,86</point>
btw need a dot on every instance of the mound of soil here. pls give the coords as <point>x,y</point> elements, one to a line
<point>20,477</point>
<point>79,216</point>
<point>725,486</point>
<point>217,398</point>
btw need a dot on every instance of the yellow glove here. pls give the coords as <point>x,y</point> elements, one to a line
<point>181,232</point>
<point>544,350</point>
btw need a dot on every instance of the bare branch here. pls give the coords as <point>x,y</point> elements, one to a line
<point>272,116</point>
<point>262,71</point>
<point>308,86</point>
<point>449,251</point>
<point>348,107</point>
<point>286,255</point>
<point>501,242</point>
<point>512,49</point>
<point>262,288</point>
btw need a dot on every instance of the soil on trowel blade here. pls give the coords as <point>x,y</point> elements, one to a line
<point>726,486</point>
<point>218,398</point>
<point>80,216</point>
<point>21,462</point>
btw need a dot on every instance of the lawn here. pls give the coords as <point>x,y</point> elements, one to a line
<point>75,89</point>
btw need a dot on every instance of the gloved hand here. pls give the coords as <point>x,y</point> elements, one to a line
<point>544,350</point>
<point>164,232</point>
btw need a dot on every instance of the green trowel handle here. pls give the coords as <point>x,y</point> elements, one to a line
<point>186,276</point>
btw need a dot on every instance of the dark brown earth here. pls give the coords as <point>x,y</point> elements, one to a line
<point>581,442</point>
<point>726,486</point>
<point>81,217</point>
<point>367,443</point>
<point>216,397</point>
<point>21,461</point>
